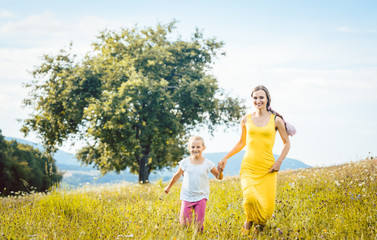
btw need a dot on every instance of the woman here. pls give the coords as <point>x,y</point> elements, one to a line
<point>259,168</point>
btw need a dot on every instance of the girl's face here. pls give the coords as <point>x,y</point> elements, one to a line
<point>196,148</point>
<point>260,99</point>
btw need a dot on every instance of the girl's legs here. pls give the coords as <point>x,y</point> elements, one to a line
<point>200,211</point>
<point>186,212</point>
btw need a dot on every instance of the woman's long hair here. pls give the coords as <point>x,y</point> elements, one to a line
<point>291,130</point>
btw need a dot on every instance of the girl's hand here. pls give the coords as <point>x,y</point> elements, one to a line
<point>221,176</point>
<point>167,190</point>
<point>221,165</point>
<point>275,167</point>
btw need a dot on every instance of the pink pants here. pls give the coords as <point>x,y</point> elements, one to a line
<point>198,207</point>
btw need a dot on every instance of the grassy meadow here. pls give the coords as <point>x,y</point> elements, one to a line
<point>337,202</point>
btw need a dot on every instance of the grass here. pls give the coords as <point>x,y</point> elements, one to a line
<point>337,202</point>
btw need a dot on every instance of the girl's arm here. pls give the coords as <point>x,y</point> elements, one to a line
<point>287,144</point>
<point>219,175</point>
<point>174,179</point>
<point>238,147</point>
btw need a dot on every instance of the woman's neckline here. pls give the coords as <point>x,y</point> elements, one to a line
<point>251,119</point>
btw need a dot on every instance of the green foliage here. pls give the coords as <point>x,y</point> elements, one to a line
<point>25,169</point>
<point>134,98</point>
<point>321,203</point>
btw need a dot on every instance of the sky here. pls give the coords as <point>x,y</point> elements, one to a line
<point>317,58</point>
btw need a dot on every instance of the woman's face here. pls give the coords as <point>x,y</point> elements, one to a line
<point>260,99</point>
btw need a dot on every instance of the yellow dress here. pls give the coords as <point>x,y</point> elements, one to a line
<point>258,185</point>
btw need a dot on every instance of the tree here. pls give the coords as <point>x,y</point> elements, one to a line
<point>134,98</point>
<point>23,168</point>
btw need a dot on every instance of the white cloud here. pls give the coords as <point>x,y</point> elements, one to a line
<point>11,98</point>
<point>293,83</point>
<point>344,29</point>
<point>34,26</point>
<point>7,14</point>
<point>16,62</point>
<point>3,97</point>
<point>48,31</point>
<point>352,30</point>
<point>47,35</point>
<point>93,25</point>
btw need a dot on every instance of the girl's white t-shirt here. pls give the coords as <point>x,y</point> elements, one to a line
<point>195,185</point>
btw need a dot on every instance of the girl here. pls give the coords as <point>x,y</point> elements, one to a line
<point>195,185</point>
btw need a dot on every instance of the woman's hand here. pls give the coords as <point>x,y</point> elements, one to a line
<point>275,167</point>
<point>221,165</point>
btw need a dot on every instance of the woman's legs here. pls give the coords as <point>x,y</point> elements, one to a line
<point>247,225</point>
<point>258,199</point>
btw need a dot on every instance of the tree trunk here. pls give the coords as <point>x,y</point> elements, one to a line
<point>143,169</point>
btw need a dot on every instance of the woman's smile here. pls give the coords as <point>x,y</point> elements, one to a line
<point>259,99</point>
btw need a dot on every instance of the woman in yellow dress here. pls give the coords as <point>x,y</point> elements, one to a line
<point>259,168</point>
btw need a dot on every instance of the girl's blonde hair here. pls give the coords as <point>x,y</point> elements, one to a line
<point>195,138</point>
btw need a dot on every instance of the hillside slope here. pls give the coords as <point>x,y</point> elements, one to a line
<point>337,202</point>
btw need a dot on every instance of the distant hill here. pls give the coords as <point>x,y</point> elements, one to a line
<point>234,163</point>
<point>76,175</point>
<point>61,157</point>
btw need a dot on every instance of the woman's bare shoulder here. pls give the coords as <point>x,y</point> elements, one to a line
<point>279,121</point>
<point>244,119</point>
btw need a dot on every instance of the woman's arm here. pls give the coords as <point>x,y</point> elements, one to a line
<point>287,144</point>
<point>238,147</point>
<point>219,175</point>
<point>174,179</point>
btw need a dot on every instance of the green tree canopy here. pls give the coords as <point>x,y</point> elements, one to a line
<point>134,98</point>
<point>23,168</point>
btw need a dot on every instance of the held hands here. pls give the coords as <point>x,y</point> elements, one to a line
<point>275,167</point>
<point>221,165</point>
